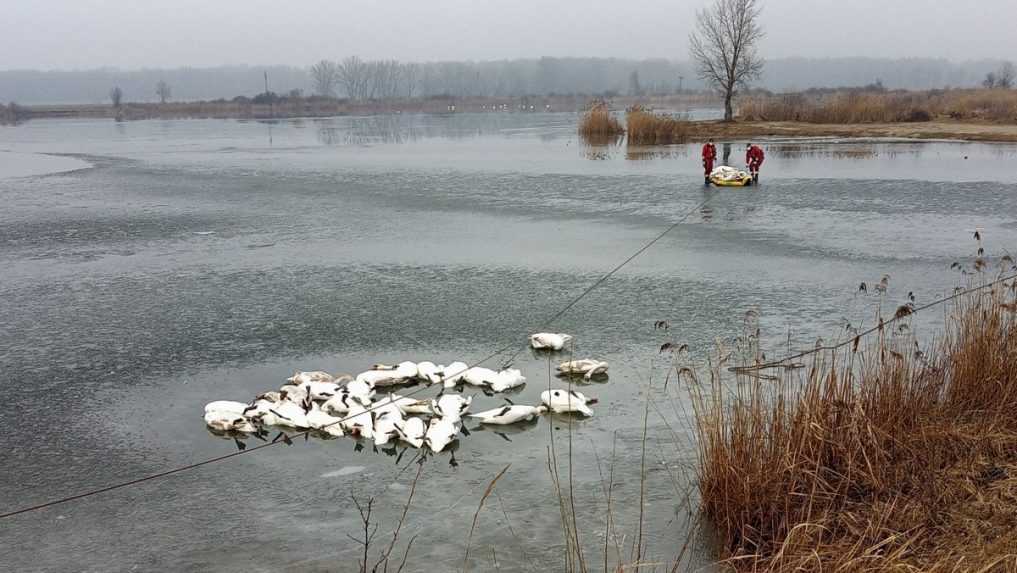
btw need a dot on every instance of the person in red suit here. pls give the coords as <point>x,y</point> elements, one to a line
<point>709,156</point>
<point>754,159</point>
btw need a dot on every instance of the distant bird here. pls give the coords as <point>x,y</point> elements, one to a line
<point>509,414</point>
<point>562,401</point>
<point>549,340</point>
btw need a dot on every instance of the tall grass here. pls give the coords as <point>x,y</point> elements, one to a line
<point>875,458</point>
<point>647,128</point>
<point>997,105</point>
<point>597,125</point>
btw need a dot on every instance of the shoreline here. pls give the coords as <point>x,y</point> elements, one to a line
<point>930,130</point>
<point>698,130</point>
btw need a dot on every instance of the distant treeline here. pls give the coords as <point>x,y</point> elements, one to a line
<point>503,78</point>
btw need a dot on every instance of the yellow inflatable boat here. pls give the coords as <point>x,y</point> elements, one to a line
<point>725,176</point>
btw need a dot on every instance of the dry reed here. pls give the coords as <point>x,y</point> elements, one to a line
<point>647,128</point>
<point>854,106</point>
<point>597,125</point>
<point>873,459</point>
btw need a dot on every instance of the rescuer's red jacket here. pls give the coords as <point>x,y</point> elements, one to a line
<point>754,156</point>
<point>709,152</point>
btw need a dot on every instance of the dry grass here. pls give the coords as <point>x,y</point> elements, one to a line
<point>647,128</point>
<point>878,458</point>
<point>597,125</point>
<point>997,105</point>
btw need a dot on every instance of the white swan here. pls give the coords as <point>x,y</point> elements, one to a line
<point>429,372</point>
<point>400,373</point>
<point>322,390</point>
<point>587,367</point>
<point>509,414</point>
<point>318,419</point>
<point>386,424</point>
<point>562,401</point>
<point>412,431</point>
<point>230,406</point>
<point>294,392</point>
<point>360,390</point>
<point>408,405</point>
<point>378,378</point>
<point>508,378</point>
<point>359,421</point>
<point>261,405</point>
<point>451,406</point>
<point>304,377</point>
<point>441,432</point>
<point>339,404</point>
<point>288,414</point>
<point>453,373</point>
<point>228,422</point>
<point>549,340</point>
<point>480,376</point>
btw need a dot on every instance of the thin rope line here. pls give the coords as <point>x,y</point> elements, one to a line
<point>504,348</point>
<point>882,324</point>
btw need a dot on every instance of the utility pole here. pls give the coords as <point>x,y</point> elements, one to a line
<point>271,104</point>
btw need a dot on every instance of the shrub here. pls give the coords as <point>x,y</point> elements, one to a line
<point>647,128</point>
<point>874,458</point>
<point>598,125</point>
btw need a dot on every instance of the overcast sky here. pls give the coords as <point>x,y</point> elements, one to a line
<point>76,34</point>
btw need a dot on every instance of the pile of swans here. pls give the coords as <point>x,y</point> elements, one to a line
<point>361,406</point>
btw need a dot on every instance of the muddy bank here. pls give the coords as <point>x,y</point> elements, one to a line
<point>945,129</point>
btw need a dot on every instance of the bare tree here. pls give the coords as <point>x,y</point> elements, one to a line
<point>409,76</point>
<point>162,89</point>
<point>116,95</point>
<point>353,75</point>
<point>325,75</point>
<point>1006,75</point>
<point>990,80</point>
<point>724,47</point>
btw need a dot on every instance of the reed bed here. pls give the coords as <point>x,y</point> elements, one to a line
<point>879,457</point>
<point>647,128</point>
<point>597,125</point>
<point>995,105</point>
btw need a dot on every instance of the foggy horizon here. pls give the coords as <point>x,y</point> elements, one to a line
<point>88,35</point>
